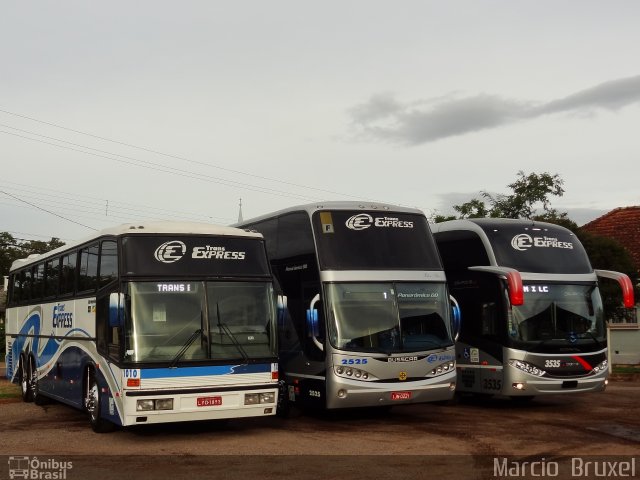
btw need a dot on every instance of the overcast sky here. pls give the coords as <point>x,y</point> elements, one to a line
<point>120,111</point>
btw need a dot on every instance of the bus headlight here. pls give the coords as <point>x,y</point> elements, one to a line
<point>258,398</point>
<point>155,404</point>
<point>527,367</point>
<point>602,367</point>
<point>267,397</point>
<point>353,373</point>
<point>144,405</point>
<point>164,404</point>
<point>444,368</point>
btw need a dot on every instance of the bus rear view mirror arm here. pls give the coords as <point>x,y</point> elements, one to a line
<point>625,284</point>
<point>312,322</point>
<point>514,281</point>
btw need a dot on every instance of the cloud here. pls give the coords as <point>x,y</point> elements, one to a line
<point>385,118</point>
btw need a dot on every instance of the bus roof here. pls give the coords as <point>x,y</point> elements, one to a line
<point>142,228</point>
<point>333,205</point>
<point>489,223</point>
<point>526,245</point>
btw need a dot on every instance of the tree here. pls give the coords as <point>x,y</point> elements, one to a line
<point>531,193</point>
<point>12,249</point>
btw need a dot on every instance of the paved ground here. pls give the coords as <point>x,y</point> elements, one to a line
<point>415,441</point>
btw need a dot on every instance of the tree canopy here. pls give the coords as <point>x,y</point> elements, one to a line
<point>12,248</point>
<point>530,198</point>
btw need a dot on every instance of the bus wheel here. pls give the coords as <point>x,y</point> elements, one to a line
<point>283,406</point>
<point>33,386</point>
<point>92,404</point>
<point>25,376</point>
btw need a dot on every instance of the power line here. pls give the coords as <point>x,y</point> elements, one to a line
<point>176,157</point>
<point>45,210</point>
<point>100,202</point>
<point>97,206</point>
<point>184,173</point>
<point>166,169</point>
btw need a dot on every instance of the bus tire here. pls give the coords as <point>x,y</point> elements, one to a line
<point>25,376</point>
<point>283,406</point>
<point>34,385</point>
<point>93,406</point>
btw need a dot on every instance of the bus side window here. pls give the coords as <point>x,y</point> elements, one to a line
<point>108,262</point>
<point>16,288</point>
<point>68,274</point>
<point>38,281</point>
<point>52,277</point>
<point>88,272</point>
<point>26,285</point>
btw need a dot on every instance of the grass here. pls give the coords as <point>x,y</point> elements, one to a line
<point>626,369</point>
<point>9,390</point>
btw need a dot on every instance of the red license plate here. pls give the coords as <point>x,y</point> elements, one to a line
<point>400,395</point>
<point>208,401</point>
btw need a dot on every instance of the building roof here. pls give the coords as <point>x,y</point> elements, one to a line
<point>623,225</point>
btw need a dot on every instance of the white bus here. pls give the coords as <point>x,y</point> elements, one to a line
<point>369,321</point>
<point>140,324</point>
<point>532,316</point>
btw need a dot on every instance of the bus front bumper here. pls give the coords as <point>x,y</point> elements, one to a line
<point>345,393</point>
<point>142,408</point>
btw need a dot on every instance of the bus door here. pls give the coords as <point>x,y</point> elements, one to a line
<point>309,386</point>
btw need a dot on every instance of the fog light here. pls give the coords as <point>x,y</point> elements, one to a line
<point>518,386</point>
<point>606,382</point>
<point>268,411</point>
<point>342,393</point>
<point>251,399</point>
<point>164,404</point>
<point>452,386</point>
<point>268,397</point>
<point>144,405</point>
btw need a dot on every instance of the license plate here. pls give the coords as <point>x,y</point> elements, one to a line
<point>208,401</point>
<point>400,395</point>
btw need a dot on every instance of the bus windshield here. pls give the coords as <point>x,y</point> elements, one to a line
<point>352,240</point>
<point>553,312</point>
<point>192,321</point>
<point>388,317</point>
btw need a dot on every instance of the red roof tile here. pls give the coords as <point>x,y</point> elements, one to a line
<point>623,225</point>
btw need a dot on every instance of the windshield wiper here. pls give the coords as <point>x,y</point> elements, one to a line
<point>234,340</point>
<point>185,347</point>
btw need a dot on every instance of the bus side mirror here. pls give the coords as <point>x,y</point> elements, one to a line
<point>456,317</point>
<point>116,309</point>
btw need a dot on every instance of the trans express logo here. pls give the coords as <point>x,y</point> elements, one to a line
<point>62,318</point>
<point>170,252</point>
<point>523,242</point>
<point>362,221</point>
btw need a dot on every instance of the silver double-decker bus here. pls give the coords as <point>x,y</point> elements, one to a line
<point>532,316</point>
<point>369,321</point>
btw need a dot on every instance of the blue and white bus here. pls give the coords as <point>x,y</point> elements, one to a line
<point>533,319</point>
<point>368,321</point>
<point>140,324</point>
